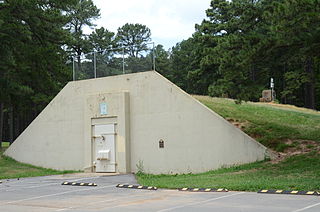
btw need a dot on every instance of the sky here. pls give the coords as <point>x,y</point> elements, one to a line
<point>170,21</point>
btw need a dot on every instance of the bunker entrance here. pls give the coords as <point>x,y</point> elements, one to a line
<point>104,154</point>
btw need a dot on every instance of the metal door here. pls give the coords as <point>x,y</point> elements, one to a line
<point>104,151</point>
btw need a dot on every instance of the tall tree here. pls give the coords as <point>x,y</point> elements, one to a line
<point>295,25</point>
<point>81,15</point>
<point>134,38</point>
<point>162,59</point>
<point>101,39</point>
<point>32,65</point>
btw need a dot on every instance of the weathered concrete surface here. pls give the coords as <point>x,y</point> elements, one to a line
<point>46,194</point>
<point>147,108</point>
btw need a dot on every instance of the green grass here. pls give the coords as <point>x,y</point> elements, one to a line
<point>5,144</point>
<point>10,168</point>
<point>272,125</point>
<point>300,172</point>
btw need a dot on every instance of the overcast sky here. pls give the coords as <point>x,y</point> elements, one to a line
<point>170,21</point>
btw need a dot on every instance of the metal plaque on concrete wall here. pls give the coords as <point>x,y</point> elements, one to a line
<point>103,108</point>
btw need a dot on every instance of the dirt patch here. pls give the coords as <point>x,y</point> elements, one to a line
<point>296,147</point>
<point>237,123</point>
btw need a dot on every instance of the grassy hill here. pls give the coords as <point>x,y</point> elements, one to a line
<point>274,125</point>
<point>293,133</point>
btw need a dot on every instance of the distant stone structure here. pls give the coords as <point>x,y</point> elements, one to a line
<point>267,96</point>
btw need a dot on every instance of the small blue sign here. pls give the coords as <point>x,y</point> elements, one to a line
<point>103,108</point>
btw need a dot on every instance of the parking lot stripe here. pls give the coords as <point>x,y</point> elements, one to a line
<point>42,185</point>
<point>55,194</point>
<point>91,203</point>
<point>305,208</point>
<point>200,202</point>
<point>102,201</point>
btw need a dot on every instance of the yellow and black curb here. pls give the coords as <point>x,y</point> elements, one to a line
<point>203,189</point>
<point>289,192</point>
<point>78,184</point>
<point>136,187</point>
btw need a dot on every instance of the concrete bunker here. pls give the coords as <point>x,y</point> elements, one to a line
<point>129,123</point>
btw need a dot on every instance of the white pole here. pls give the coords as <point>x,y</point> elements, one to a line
<point>73,69</point>
<point>95,64</point>
<point>123,60</point>
<point>272,86</point>
<point>154,57</point>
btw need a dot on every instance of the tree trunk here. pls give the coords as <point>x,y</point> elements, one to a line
<point>284,98</point>
<point>310,85</point>
<point>1,123</point>
<point>11,125</point>
<point>253,74</point>
<point>16,126</point>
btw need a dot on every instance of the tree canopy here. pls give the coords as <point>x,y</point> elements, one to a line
<point>134,37</point>
<point>243,43</point>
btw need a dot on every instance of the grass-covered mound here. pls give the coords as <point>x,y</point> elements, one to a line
<point>300,172</point>
<point>274,125</point>
<point>293,133</point>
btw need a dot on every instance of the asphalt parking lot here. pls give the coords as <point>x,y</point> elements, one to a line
<point>44,194</point>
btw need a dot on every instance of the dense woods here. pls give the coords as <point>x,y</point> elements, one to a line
<point>233,53</point>
<point>33,63</point>
<point>243,43</point>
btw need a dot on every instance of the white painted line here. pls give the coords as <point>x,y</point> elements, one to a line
<point>200,202</point>
<point>102,201</point>
<point>91,203</point>
<point>22,188</point>
<point>125,204</point>
<point>306,208</point>
<point>43,185</point>
<point>83,206</point>
<point>56,194</point>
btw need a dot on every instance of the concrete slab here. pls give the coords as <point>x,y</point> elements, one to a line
<point>46,194</point>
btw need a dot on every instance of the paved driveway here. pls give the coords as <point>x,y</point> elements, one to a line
<point>46,194</point>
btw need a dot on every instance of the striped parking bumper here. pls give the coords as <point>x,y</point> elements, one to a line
<point>294,192</point>
<point>78,184</point>
<point>203,189</point>
<point>136,187</point>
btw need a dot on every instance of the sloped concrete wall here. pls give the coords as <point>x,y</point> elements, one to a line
<point>195,138</point>
<point>54,138</point>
